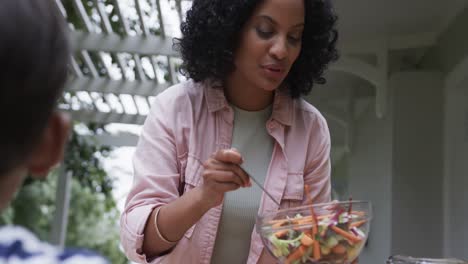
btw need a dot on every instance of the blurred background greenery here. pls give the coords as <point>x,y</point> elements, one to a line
<point>93,215</point>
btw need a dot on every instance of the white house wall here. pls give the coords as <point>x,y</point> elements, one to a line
<point>451,56</point>
<point>397,163</point>
<point>369,178</point>
<point>417,188</point>
<point>456,139</point>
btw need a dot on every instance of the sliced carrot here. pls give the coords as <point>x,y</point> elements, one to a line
<point>282,222</point>
<point>306,240</point>
<point>339,249</point>
<point>297,254</point>
<point>352,238</point>
<point>314,229</point>
<point>316,251</point>
<point>279,224</point>
<point>312,214</point>
<point>304,221</point>
<point>300,222</point>
<point>272,222</point>
<point>321,217</point>
<point>281,233</point>
<point>358,223</point>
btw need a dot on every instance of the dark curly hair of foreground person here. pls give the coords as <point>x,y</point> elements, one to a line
<point>212,28</point>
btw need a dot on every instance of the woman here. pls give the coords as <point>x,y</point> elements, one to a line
<point>249,62</point>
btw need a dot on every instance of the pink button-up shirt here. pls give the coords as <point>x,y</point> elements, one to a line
<point>190,121</point>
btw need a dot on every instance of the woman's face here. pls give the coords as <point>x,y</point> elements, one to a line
<point>270,43</point>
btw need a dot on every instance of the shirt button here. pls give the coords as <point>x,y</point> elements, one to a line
<point>271,125</point>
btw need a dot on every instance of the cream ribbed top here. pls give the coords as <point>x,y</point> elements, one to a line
<point>240,207</point>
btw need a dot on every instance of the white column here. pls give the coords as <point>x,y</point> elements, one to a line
<point>456,170</point>
<point>417,184</point>
<point>62,202</point>
<point>370,176</point>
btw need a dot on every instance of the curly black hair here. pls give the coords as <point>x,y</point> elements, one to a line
<point>210,36</point>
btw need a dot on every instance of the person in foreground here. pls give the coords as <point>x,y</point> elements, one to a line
<point>249,62</point>
<point>34,54</point>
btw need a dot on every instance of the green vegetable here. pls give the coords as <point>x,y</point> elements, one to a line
<point>331,242</point>
<point>325,250</point>
<point>282,246</point>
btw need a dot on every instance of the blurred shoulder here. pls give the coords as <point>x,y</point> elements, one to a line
<point>18,245</point>
<point>311,114</point>
<point>188,90</point>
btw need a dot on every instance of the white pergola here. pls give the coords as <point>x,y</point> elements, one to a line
<point>108,64</point>
<point>123,57</point>
<point>120,60</point>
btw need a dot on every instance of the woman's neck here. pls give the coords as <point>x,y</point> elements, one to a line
<point>246,96</point>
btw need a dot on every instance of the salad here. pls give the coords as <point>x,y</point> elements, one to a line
<point>335,237</point>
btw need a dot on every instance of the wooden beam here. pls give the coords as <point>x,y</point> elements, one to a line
<point>106,118</point>
<point>107,86</point>
<point>112,42</point>
<point>117,140</point>
<point>156,45</point>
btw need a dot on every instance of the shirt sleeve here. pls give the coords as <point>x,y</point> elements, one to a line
<point>18,245</point>
<point>156,178</point>
<point>318,170</point>
<point>75,256</point>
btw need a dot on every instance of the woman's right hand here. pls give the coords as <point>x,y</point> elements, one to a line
<point>222,173</point>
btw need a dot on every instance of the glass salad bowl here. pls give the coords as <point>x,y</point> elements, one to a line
<point>329,233</point>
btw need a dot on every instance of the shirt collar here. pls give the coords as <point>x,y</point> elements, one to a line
<point>282,103</point>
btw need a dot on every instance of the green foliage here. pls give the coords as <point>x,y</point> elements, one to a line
<point>83,157</point>
<point>93,216</point>
<point>34,205</point>
<point>95,224</point>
